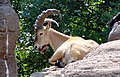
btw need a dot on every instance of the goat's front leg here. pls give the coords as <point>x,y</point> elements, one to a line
<point>56,56</point>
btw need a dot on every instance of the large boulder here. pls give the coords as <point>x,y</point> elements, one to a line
<point>114,23</point>
<point>9,31</point>
<point>104,61</point>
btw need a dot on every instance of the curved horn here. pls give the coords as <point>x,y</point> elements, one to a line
<point>50,20</point>
<point>44,14</point>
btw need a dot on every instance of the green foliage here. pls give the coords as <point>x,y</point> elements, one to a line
<point>84,18</point>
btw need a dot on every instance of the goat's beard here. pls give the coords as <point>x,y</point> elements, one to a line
<point>43,49</point>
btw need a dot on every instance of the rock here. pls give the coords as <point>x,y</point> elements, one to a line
<point>9,31</point>
<point>37,74</point>
<point>115,32</point>
<point>115,19</point>
<point>114,23</point>
<point>104,61</point>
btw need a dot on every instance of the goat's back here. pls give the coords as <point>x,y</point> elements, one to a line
<point>76,48</point>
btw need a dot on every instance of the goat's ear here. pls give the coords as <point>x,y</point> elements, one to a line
<point>49,25</point>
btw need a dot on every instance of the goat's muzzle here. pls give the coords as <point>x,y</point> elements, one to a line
<point>43,49</point>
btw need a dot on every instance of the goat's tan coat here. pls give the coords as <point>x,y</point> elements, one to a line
<point>75,48</point>
<point>67,48</point>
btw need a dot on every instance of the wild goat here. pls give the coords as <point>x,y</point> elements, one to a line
<point>67,48</point>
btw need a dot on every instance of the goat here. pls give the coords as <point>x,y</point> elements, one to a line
<point>66,48</point>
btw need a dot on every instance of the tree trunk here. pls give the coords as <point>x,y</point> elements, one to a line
<point>9,31</point>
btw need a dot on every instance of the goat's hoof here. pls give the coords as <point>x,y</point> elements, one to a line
<point>60,64</point>
<point>72,61</point>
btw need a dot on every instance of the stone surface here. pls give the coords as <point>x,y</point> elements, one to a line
<point>115,32</point>
<point>101,62</point>
<point>2,44</point>
<point>9,31</point>
<point>4,2</point>
<point>114,23</point>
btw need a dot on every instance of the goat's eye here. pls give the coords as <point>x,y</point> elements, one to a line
<point>45,24</point>
<point>41,34</point>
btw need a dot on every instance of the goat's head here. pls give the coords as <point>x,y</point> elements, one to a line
<point>42,26</point>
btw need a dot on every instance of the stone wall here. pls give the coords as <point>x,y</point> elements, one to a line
<point>9,31</point>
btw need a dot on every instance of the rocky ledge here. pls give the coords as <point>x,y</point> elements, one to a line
<point>104,61</point>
